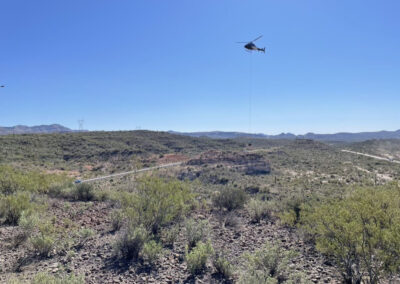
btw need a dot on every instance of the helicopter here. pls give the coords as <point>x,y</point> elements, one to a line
<point>250,46</point>
<point>2,86</point>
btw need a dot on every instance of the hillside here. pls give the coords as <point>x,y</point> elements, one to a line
<point>23,129</point>
<point>384,148</point>
<point>228,199</point>
<point>105,151</point>
<point>336,137</point>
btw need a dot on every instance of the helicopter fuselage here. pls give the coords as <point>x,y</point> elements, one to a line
<point>251,46</point>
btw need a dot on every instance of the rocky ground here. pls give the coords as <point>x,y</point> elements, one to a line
<point>95,258</point>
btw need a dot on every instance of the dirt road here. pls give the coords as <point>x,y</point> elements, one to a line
<point>131,172</point>
<point>372,156</point>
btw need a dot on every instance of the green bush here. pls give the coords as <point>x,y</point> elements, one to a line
<point>197,258</point>
<point>230,219</point>
<point>83,192</point>
<point>223,267</point>
<point>151,251</point>
<point>12,206</point>
<point>291,206</point>
<point>289,218</point>
<point>62,190</point>
<point>230,198</point>
<point>45,278</point>
<point>83,235</point>
<point>131,242</point>
<point>196,231</point>
<point>13,180</point>
<point>27,222</point>
<point>117,219</point>
<point>258,209</point>
<point>270,264</point>
<point>156,203</point>
<point>169,235</point>
<point>361,232</point>
<point>44,242</point>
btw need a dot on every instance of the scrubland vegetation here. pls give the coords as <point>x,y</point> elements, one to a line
<point>318,216</point>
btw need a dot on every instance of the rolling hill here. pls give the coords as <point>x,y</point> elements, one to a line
<point>336,137</point>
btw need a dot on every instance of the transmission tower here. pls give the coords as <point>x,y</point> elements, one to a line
<point>80,123</point>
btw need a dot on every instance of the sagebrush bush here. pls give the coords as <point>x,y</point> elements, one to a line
<point>197,258</point>
<point>270,264</point>
<point>45,278</point>
<point>258,209</point>
<point>228,219</point>
<point>230,198</point>
<point>83,192</point>
<point>13,180</point>
<point>130,243</point>
<point>290,207</point>
<point>196,231</point>
<point>44,242</point>
<point>117,219</point>
<point>27,222</point>
<point>223,267</point>
<point>156,203</point>
<point>151,251</point>
<point>12,206</point>
<point>84,234</point>
<point>169,235</point>
<point>288,218</point>
<point>61,189</point>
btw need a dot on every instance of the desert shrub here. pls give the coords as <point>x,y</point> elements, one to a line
<point>45,278</point>
<point>61,189</point>
<point>230,198</point>
<point>270,264</point>
<point>14,280</point>
<point>157,202</point>
<point>169,235</point>
<point>230,219</point>
<point>13,180</point>
<point>44,242</point>
<point>291,206</point>
<point>83,235</point>
<point>117,219</point>
<point>289,218</point>
<point>103,195</point>
<point>83,192</point>
<point>196,231</point>
<point>197,258</point>
<point>131,242</point>
<point>12,206</point>
<point>27,222</point>
<point>151,251</point>
<point>258,209</point>
<point>360,232</point>
<point>223,267</point>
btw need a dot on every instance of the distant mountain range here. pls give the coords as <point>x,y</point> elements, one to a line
<point>23,129</point>
<point>337,137</point>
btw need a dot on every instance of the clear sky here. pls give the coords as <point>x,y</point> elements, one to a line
<point>174,65</point>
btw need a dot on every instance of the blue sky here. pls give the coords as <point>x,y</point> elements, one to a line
<point>174,65</point>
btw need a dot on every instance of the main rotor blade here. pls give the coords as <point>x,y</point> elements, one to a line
<point>257,38</point>
<point>242,42</point>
